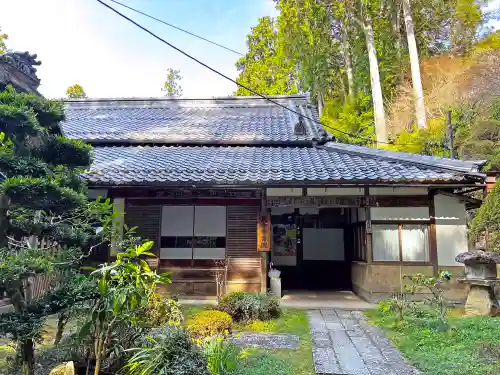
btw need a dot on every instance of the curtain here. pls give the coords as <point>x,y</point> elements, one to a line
<point>385,239</point>
<point>415,240</point>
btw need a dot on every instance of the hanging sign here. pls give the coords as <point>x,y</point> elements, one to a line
<point>264,232</point>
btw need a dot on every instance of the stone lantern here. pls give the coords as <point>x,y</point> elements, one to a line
<point>481,275</point>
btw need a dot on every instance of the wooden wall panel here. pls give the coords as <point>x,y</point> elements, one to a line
<point>147,219</point>
<point>241,241</point>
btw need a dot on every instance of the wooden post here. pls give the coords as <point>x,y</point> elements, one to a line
<point>263,273</point>
<point>433,251</point>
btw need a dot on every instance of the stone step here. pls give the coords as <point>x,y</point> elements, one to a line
<point>345,344</point>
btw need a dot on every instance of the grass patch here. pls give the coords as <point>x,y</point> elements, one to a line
<point>471,347</point>
<point>276,361</point>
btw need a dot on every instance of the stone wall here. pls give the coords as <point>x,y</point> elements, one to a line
<point>375,282</point>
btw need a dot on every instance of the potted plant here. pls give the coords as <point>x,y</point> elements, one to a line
<point>274,275</point>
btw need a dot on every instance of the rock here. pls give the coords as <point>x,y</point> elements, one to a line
<point>266,340</point>
<point>478,256</point>
<point>64,369</point>
<point>479,301</point>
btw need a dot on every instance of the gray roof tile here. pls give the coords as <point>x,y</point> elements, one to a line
<point>249,165</point>
<point>232,120</point>
<point>236,121</point>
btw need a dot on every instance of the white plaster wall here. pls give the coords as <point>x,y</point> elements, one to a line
<point>284,192</point>
<point>334,191</point>
<point>96,193</point>
<point>282,210</point>
<point>398,191</point>
<point>361,214</point>
<point>323,244</point>
<point>399,213</point>
<point>309,210</point>
<point>451,229</point>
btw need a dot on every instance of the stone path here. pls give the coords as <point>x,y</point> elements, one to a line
<point>267,340</point>
<point>345,344</point>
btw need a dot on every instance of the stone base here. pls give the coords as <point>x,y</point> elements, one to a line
<point>480,301</point>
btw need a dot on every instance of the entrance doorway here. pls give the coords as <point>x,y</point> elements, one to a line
<point>309,248</point>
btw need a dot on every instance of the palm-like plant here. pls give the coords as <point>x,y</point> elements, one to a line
<point>170,352</point>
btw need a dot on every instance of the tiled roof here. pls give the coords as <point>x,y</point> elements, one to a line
<point>236,140</point>
<point>471,166</point>
<point>177,165</point>
<point>232,120</point>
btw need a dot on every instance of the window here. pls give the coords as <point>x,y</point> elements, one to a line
<point>193,232</point>
<point>400,242</point>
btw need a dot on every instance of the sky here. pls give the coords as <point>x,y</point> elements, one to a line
<point>80,41</point>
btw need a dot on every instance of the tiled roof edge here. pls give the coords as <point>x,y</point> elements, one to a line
<point>468,167</point>
<point>236,101</point>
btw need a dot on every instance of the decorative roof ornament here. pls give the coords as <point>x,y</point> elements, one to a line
<point>22,61</point>
<point>18,69</point>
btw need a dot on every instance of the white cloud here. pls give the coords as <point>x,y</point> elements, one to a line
<point>79,41</point>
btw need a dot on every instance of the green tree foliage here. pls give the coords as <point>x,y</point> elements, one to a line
<point>487,220</point>
<point>305,32</point>
<point>478,133</point>
<point>265,68</point>
<point>3,38</point>
<point>172,87</point>
<point>76,92</point>
<point>319,46</point>
<point>43,198</point>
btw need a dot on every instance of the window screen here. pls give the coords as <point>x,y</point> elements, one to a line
<point>193,232</point>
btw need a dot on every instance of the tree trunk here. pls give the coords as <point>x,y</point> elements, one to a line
<point>28,356</point>
<point>346,52</point>
<point>61,324</point>
<point>378,101</point>
<point>415,66</point>
<point>396,27</point>
<point>321,103</point>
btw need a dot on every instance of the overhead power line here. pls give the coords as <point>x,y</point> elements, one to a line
<point>234,81</point>
<point>177,27</point>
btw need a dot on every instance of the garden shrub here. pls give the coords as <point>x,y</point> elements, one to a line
<point>222,354</point>
<point>244,307</point>
<point>162,311</point>
<point>172,351</point>
<point>210,322</point>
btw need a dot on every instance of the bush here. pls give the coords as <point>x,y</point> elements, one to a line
<point>162,311</point>
<point>244,307</point>
<point>222,355</point>
<point>171,352</point>
<point>210,322</point>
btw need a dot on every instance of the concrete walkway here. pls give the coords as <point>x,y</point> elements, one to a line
<point>316,300</point>
<point>306,300</point>
<point>345,344</point>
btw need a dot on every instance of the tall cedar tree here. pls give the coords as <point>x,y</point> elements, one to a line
<point>265,68</point>
<point>43,197</point>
